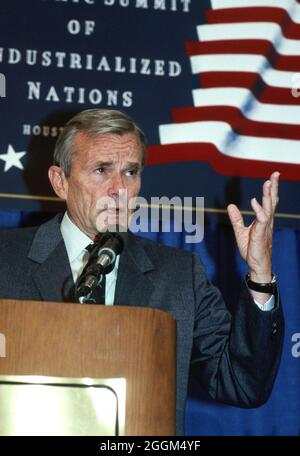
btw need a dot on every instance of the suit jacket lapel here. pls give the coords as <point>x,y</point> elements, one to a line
<point>133,286</point>
<point>53,277</point>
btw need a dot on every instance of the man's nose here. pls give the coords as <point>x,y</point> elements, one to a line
<point>115,185</point>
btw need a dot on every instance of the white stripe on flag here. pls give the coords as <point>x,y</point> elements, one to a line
<point>284,4</point>
<point>250,31</point>
<point>244,100</point>
<point>243,62</point>
<point>227,142</point>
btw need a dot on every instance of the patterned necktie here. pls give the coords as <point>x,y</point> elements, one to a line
<point>98,294</point>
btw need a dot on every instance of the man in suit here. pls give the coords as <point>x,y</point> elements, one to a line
<point>99,153</point>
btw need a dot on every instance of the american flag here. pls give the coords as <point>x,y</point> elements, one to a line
<point>245,120</point>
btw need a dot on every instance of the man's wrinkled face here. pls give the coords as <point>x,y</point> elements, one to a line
<point>102,168</point>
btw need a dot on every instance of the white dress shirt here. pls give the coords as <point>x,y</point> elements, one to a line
<point>269,305</point>
<point>76,242</point>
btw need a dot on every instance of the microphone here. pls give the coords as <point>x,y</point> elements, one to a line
<point>102,260</point>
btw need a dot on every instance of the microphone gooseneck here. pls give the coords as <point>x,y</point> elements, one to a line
<point>102,260</point>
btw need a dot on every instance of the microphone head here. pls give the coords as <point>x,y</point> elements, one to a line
<point>102,259</point>
<point>115,239</point>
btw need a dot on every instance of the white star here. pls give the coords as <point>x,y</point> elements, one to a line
<point>12,158</point>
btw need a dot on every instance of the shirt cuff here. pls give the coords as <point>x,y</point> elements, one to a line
<point>269,305</point>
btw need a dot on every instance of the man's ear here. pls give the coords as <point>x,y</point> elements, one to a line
<point>58,181</point>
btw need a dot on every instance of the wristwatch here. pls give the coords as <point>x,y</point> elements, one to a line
<point>269,287</point>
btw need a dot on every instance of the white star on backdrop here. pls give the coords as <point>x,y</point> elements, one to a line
<point>12,158</point>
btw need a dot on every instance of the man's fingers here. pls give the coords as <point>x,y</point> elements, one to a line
<point>267,198</point>
<point>274,188</point>
<point>235,217</point>
<point>270,194</point>
<point>261,214</point>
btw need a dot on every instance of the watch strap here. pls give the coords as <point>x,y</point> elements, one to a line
<point>269,287</point>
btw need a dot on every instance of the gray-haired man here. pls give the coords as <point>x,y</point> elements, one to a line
<point>99,154</point>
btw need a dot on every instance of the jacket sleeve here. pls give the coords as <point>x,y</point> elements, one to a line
<point>235,357</point>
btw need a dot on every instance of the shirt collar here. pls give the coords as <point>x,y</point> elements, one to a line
<point>75,240</point>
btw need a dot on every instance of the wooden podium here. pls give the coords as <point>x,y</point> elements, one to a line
<point>74,340</point>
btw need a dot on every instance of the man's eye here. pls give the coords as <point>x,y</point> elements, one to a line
<point>100,170</point>
<point>132,172</point>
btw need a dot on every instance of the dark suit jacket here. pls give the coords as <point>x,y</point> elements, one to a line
<point>234,358</point>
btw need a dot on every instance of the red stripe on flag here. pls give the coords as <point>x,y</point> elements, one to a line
<point>251,81</point>
<point>221,163</point>
<point>240,124</point>
<point>255,14</point>
<point>247,14</point>
<point>259,47</point>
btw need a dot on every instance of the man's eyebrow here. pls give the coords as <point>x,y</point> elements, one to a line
<point>109,164</point>
<point>102,164</point>
<point>133,164</point>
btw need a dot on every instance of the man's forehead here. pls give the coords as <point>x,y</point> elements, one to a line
<point>108,147</point>
<point>106,140</point>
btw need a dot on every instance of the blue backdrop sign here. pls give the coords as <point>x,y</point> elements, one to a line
<point>215,86</point>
